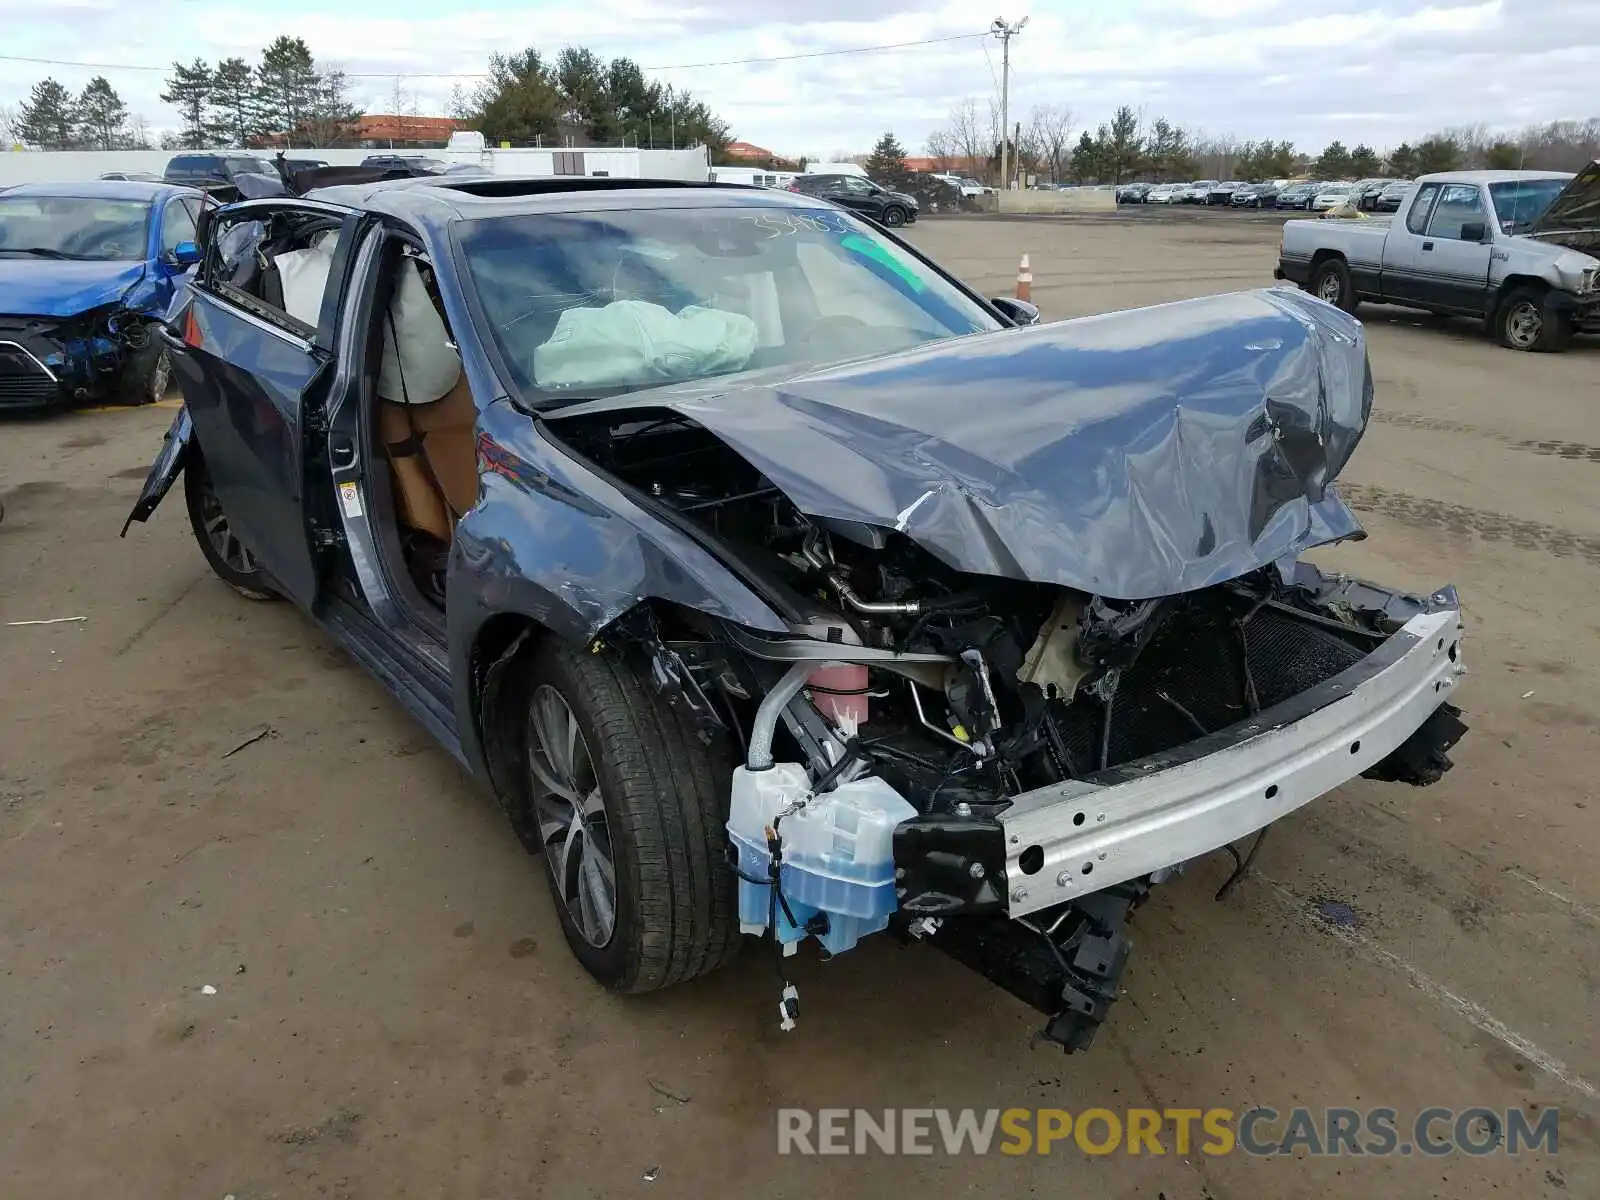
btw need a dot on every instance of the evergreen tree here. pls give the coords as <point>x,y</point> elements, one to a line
<point>189,90</point>
<point>1364,161</point>
<point>102,116</point>
<point>1086,158</point>
<point>1503,156</point>
<point>1403,161</point>
<point>1333,163</point>
<point>1438,153</point>
<point>286,82</point>
<point>887,163</point>
<point>234,112</point>
<point>1279,162</point>
<point>48,118</point>
<point>580,77</point>
<point>1122,146</point>
<point>519,102</point>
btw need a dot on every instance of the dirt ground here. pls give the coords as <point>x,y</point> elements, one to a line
<point>395,1013</point>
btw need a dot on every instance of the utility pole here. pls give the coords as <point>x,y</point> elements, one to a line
<point>1005,33</point>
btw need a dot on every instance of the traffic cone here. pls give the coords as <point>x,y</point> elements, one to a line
<point>1025,281</point>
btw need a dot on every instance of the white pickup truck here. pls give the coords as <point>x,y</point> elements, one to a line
<point>1516,248</point>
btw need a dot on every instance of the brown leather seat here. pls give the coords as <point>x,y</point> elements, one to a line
<point>433,456</point>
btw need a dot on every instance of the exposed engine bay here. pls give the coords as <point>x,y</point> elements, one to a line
<point>44,360</point>
<point>963,692</point>
<point>1040,683</point>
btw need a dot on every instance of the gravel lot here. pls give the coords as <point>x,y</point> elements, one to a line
<point>395,1013</point>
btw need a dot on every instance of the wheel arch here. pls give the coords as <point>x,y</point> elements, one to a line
<point>1323,255</point>
<point>1512,283</point>
<point>505,639</point>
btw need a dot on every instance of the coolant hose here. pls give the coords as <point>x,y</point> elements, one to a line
<point>771,708</point>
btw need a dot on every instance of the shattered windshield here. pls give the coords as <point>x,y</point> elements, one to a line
<point>585,304</point>
<point>1520,203</point>
<point>73,227</point>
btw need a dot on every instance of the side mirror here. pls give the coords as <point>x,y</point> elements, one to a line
<point>185,255</point>
<point>1019,312</point>
<point>1474,231</point>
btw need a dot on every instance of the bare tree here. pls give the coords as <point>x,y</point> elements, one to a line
<point>940,147</point>
<point>405,106</point>
<point>138,133</point>
<point>973,134</point>
<point>10,130</point>
<point>1048,137</point>
<point>1216,154</point>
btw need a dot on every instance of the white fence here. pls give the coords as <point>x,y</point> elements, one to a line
<point>71,166</point>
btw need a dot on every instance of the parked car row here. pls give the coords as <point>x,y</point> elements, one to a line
<point>1312,195</point>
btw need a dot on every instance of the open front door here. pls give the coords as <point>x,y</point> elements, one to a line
<point>252,355</point>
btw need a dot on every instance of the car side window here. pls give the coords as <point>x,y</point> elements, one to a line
<point>1459,204</point>
<point>856,185</point>
<point>177,225</point>
<point>1417,218</point>
<point>275,263</point>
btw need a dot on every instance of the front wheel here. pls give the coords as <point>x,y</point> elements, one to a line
<point>147,374</point>
<point>1523,322</point>
<point>223,551</point>
<point>626,806</point>
<point>894,216</point>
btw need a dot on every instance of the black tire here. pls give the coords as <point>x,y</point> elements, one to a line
<point>1525,322</point>
<point>1330,281</point>
<point>242,575</point>
<point>147,373</point>
<point>894,216</point>
<point>664,806</point>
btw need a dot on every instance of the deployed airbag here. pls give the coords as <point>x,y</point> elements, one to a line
<point>304,276</point>
<point>419,365</point>
<point>633,342</point>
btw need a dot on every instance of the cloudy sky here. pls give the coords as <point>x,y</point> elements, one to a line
<point>1380,71</point>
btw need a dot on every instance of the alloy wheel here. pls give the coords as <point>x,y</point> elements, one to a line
<point>160,376</point>
<point>571,816</point>
<point>1330,289</point>
<point>228,547</point>
<point>1524,325</point>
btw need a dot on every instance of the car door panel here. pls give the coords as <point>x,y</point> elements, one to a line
<point>1402,248</point>
<point>841,194</point>
<point>245,384</point>
<point>1453,273</point>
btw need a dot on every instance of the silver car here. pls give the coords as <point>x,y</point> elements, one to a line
<point>1334,195</point>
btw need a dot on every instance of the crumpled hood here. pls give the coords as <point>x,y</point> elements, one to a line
<point>1136,454</point>
<point>1575,212</point>
<point>47,287</point>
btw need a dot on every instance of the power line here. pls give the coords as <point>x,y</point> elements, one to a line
<point>731,62</point>
<point>739,62</point>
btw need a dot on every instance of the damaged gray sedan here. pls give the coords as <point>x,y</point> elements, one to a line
<point>779,585</point>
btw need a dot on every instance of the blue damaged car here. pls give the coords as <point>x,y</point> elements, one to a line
<point>87,270</point>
